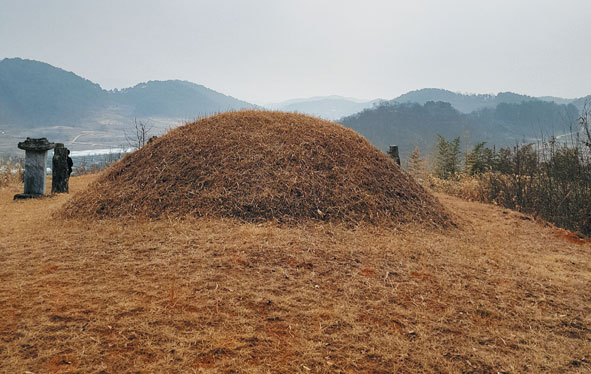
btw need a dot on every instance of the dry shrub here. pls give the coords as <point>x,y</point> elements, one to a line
<point>10,172</point>
<point>85,168</point>
<point>471,188</point>
<point>459,187</point>
<point>259,166</point>
<point>562,201</point>
<point>551,179</point>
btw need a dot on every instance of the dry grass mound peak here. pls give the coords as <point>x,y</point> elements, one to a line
<point>259,166</point>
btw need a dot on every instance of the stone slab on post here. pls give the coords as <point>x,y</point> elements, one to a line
<point>59,169</point>
<point>35,161</point>
<point>393,152</point>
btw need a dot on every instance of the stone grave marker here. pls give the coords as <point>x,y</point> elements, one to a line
<point>60,169</point>
<point>35,161</point>
<point>393,152</point>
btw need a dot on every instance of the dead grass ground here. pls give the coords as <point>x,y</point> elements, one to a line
<point>501,294</point>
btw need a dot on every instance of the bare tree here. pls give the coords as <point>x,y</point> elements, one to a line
<point>139,134</point>
<point>584,121</point>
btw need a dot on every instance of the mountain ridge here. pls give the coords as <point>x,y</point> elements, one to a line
<point>330,107</point>
<point>34,93</point>
<point>41,100</point>
<point>468,102</point>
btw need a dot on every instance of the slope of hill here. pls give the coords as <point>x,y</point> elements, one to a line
<point>34,94</point>
<point>327,107</point>
<point>465,103</point>
<point>506,124</point>
<point>336,107</point>
<point>39,100</point>
<point>582,101</point>
<point>407,124</point>
<point>176,99</point>
<point>502,293</point>
<point>527,119</point>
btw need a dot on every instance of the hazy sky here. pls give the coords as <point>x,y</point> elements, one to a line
<point>271,50</point>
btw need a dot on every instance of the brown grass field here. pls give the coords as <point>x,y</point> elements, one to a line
<point>499,294</point>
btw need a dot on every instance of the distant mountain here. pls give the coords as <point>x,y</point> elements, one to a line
<point>557,100</point>
<point>581,102</point>
<point>327,107</point>
<point>174,98</point>
<point>37,99</point>
<point>34,94</point>
<point>337,107</point>
<point>507,124</point>
<point>465,103</point>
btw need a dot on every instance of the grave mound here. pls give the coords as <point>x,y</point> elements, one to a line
<point>260,166</point>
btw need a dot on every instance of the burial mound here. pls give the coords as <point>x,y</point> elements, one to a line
<point>259,166</point>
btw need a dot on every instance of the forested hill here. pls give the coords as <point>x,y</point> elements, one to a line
<point>35,94</point>
<point>174,98</point>
<point>506,124</point>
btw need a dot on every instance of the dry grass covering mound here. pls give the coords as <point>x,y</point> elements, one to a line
<point>259,166</point>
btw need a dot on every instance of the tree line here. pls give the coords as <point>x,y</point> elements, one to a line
<point>505,124</point>
<point>550,179</point>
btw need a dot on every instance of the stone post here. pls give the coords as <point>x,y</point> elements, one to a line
<point>59,168</point>
<point>393,152</point>
<point>35,161</point>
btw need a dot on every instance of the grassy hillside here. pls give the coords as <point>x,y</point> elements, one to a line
<point>501,293</point>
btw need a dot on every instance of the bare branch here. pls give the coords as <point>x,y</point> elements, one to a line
<point>140,133</point>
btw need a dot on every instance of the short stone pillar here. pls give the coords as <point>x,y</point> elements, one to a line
<point>35,161</point>
<point>60,170</point>
<point>393,152</point>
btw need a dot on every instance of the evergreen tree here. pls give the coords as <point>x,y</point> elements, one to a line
<point>479,159</point>
<point>416,166</point>
<point>447,157</point>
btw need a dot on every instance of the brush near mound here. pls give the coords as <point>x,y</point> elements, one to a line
<point>260,166</point>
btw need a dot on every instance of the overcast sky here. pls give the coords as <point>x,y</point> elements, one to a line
<point>272,50</point>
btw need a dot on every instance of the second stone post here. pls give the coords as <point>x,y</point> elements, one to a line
<point>393,152</point>
<point>60,169</point>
